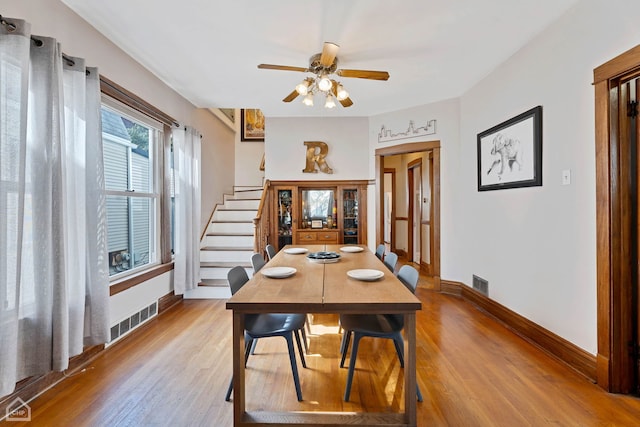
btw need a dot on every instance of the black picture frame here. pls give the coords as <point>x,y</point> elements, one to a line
<point>251,125</point>
<point>510,153</point>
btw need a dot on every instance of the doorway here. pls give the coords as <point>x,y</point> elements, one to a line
<point>430,197</point>
<point>414,182</point>
<point>617,91</point>
<point>389,190</point>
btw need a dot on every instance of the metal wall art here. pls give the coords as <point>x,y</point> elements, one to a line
<point>315,157</point>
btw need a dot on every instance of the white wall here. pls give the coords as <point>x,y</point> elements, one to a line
<point>134,299</point>
<point>447,116</point>
<point>52,18</point>
<point>536,246</point>
<point>248,155</point>
<point>286,153</point>
<point>217,169</point>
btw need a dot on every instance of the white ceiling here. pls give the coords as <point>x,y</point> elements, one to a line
<point>208,51</point>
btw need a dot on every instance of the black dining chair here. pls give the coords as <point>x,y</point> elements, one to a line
<point>390,260</point>
<point>268,325</point>
<point>271,251</point>
<point>258,261</point>
<point>376,326</point>
<point>380,252</point>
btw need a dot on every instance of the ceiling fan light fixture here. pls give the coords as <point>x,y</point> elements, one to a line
<point>341,93</point>
<point>329,103</point>
<point>321,66</point>
<point>303,87</point>
<point>324,83</point>
<point>308,100</point>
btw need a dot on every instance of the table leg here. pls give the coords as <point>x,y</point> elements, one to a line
<point>238,368</point>
<point>410,387</point>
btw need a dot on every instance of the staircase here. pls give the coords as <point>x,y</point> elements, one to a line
<point>228,242</point>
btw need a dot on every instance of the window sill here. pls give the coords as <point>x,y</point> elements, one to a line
<point>132,281</point>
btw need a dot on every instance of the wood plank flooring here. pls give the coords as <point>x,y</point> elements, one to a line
<point>471,369</point>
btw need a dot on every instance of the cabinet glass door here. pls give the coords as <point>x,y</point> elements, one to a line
<point>284,207</point>
<point>350,216</point>
<point>318,208</point>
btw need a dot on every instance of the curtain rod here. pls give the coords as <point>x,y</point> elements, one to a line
<point>185,128</point>
<point>12,27</point>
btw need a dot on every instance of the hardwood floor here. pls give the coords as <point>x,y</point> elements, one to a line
<point>471,369</point>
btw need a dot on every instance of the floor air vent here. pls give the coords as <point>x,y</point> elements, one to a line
<point>480,285</point>
<point>130,323</point>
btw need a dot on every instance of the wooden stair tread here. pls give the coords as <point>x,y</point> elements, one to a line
<point>224,264</point>
<point>228,233</point>
<point>227,248</point>
<point>223,283</point>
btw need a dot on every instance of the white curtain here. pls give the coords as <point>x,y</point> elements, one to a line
<point>53,273</point>
<point>186,155</point>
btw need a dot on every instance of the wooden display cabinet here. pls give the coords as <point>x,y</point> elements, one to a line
<point>318,212</point>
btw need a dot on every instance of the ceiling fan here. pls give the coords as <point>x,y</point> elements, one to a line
<point>324,65</point>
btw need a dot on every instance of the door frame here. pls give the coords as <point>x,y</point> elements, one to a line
<point>392,172</point>
<point>414,147</point>
<point>410,210</point>
<point>614,308</point>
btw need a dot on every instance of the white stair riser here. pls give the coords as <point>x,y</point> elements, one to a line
<point>229,241</point>
<point>251,194</point>
<point>221,215</point>
<point>231,227</point>
<point>242,204</point>
<point>239,257</point>
<point>219,272</point>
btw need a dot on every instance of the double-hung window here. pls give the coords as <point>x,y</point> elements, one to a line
<point>132,146</point>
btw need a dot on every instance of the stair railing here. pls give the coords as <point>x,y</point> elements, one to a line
<point>261,221</point>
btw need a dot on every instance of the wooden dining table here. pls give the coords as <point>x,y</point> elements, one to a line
<point>318,287</point>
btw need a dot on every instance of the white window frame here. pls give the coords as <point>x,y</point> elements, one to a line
<point>154,153</point>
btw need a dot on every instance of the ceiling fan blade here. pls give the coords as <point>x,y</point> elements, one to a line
<point>364,74</point>
<point>347,102</point>
<point>293,95</point>
<point>282,67</point>
<point>329,52</point>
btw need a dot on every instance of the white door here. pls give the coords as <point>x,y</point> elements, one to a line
<point>417,213</point>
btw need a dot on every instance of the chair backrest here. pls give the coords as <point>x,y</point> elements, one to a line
<point>390,261</point>
<point>257,261</point>
<point>271,251</point>
<point>408,275</point>
<point>237,277</point>
<point>380,251</point>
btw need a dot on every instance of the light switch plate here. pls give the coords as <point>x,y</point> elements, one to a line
<point>566,177</point>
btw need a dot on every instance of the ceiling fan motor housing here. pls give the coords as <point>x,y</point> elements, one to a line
<point>318,69</point>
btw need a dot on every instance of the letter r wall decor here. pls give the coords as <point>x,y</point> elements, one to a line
<point>316,153</point>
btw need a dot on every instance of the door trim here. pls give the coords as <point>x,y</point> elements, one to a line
<point>613,309</point>
<point>392,243</point>
<point>411,223</point>
<point>434,147</point>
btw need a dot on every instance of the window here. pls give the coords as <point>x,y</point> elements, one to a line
<point>132,144</point>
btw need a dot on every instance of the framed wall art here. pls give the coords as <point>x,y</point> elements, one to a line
<point>510,153</point>
<point>251,125</point>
